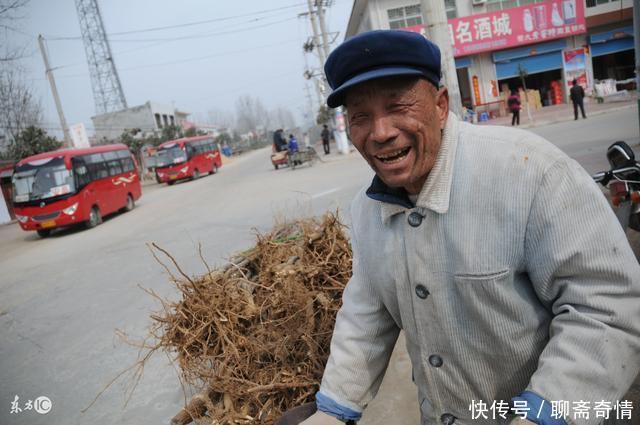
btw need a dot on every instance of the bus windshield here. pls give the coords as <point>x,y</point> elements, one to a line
<point>170,156</point>
<point>41,180</point>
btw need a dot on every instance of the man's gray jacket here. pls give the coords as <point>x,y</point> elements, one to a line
<point>513,275</point>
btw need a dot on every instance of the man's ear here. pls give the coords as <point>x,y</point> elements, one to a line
<point>442,106</point>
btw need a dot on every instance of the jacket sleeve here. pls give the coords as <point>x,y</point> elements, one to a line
<point>363,340</point>
<point>583,270</point>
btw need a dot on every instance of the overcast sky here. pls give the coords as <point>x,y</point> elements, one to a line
<point>254,47</point>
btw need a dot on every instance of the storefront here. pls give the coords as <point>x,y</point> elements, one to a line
<point>612,54</point>
<point>492,49</point>
<point>541,65</point>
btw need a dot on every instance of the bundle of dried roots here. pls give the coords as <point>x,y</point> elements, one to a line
<point>255,334</point>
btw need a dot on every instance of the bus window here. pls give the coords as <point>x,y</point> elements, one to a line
<point>81,172</point>
<point>115,167</point>
<point>96,166</point>
<point>127,164</point>
<point>191,150</point>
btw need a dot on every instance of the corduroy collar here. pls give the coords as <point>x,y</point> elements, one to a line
<point>436,191</point>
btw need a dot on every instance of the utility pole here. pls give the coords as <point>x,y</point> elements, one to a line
<point>54,91</point>
<point>323,28</point>
<point>339,132</point>
<point>434,17</point>
<point>636,42</point>
<point>307,91</point>
<point>314,28</point>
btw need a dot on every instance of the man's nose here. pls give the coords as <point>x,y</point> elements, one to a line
<point>383,130</point>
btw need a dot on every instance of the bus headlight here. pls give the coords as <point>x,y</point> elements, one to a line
<point>22,218</point>
<point>71,210</point>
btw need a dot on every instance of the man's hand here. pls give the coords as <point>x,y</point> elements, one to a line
<point>321,418</point>
<point>518,420</point>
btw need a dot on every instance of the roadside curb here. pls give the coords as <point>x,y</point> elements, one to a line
<point>567,119</point>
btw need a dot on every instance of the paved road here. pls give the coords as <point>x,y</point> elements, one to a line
<point>62,298</point>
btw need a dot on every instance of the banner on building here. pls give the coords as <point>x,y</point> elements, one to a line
<point>79,136</point>
<point>533,23</point>
<point>575,68</point>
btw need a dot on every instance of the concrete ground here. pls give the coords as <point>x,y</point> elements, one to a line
<point>62,298</point>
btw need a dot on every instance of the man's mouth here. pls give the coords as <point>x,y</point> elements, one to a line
<point>394,156</point>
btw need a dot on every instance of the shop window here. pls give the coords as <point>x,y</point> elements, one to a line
<point>594,3</point>
<point>450,7</point>
<point>402,17</point>
<point>493,5</point>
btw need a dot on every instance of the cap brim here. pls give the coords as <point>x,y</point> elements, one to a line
<point>336,98</point>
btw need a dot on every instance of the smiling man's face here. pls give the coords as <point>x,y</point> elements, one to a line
<point>395,123</point>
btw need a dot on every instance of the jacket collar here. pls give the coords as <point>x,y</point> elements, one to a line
<point>436,191</point>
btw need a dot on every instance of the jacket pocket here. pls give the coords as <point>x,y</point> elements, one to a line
<point>499,323</point>
<point>491,306</point>
<point>482,276</point>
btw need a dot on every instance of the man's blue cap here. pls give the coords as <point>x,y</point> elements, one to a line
<point>377,54</point>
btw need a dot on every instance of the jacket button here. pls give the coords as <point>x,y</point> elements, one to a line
<point>447,419</point>
<point>415,219</point>
<point>421,291</point>
<point>435,360</point>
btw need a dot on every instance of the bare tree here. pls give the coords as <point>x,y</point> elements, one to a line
<point>221,117</point>
<point>10,14</point>
<point>248,113</point>
<point>19,107</point>
<point>283,118</point>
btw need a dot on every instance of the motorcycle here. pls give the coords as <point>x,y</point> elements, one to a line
<point>623,182</point>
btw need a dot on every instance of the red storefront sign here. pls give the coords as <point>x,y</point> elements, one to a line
<point>533,23</point>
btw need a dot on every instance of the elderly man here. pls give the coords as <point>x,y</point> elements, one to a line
<point>494,252</point>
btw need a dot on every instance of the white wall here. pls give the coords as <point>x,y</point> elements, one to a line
<point>113,124</point>
<point>483,66</point>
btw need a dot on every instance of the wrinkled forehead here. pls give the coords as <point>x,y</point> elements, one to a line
<point>388,88</point>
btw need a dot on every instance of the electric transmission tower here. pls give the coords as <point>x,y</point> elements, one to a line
<point>105,83</point>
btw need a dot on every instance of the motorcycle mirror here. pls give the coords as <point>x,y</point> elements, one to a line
<point>620,155</point>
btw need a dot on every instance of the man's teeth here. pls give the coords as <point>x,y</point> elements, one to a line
<point>393,156</point>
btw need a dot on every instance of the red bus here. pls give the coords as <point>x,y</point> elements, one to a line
<point>69,186</point>
<point>187,158</point>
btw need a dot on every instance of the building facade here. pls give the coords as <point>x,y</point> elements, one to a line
<point>498,43</point>
<point>150,118</point>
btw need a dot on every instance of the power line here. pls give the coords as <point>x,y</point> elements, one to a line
<point>194,36</point>
<point>186,60</point>
<point>187,24</point>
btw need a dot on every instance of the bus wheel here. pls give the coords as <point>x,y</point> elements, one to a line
<point>215,169</point>
<point>170,183</point>
<point>94,218</point>
<point>43,233</point>
<point>130,203</point>
<point>196,174</point>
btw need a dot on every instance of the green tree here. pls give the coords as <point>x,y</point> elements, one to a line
<point>223,138</point>
<point>31,141</point>
<point>171,132</point>
<point>191,132</point>
<point>133,143</point>
<point>324,115</point>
